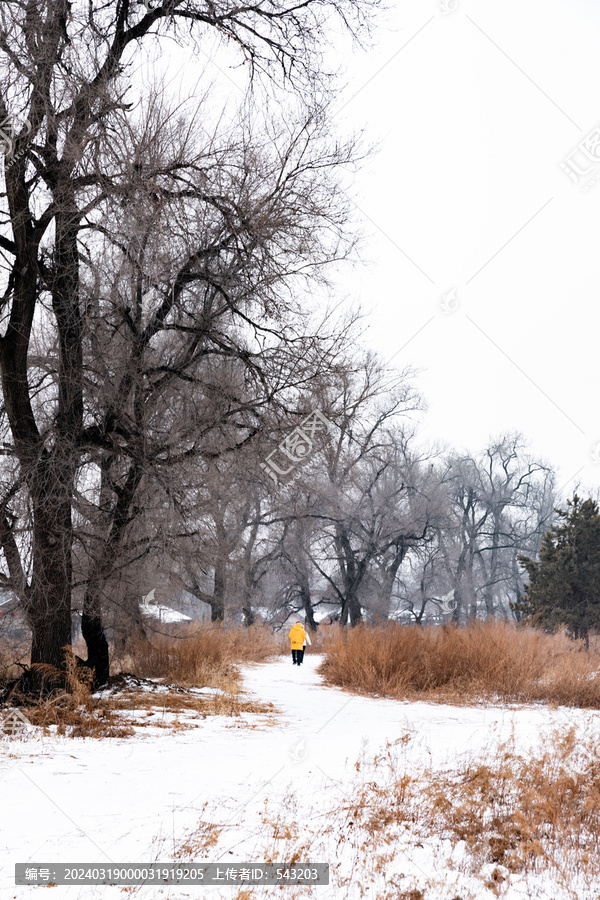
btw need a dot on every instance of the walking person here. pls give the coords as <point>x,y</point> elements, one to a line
<point>297,638</point>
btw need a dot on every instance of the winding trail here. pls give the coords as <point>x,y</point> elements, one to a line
<point>132,800</point>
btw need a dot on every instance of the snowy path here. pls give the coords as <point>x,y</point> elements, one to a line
<point>133,800</point>
<point>334,723</point>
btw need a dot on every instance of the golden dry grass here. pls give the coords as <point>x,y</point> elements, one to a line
<point>198,655</point>
<point>515,815</point>
<point>116,713</point>
<point>205,657</point>
<point>491,660</point>
<point>12,652</point>
<point>71,706</point>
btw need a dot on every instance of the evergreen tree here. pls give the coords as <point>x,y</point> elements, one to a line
<point>564,586</point>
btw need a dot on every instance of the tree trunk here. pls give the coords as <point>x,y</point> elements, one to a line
<point>344,613</point>
<point>249,617</point>
<point>97,646</point>
<point>217,605</point>
<point>49,474</point>
<point>352,576</point>
<point>92,626</point>
<point>388,577</point>
<point>48,604</point>
<point>354,610</point>
<point>49,611</point>
<point>306,601</point>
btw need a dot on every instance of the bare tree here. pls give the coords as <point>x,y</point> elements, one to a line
<point>500,501</point>
<point>372,504</point>
<point>71,171</point>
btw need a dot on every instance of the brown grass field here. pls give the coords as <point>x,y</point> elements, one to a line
<point>514,814</point>
<point>198,655</point>
<point>485,661</point>
<point>189,657</point>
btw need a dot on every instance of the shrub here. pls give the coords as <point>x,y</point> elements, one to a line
<point>484,660</point>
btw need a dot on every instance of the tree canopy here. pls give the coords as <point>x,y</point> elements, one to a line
<point>564,584</point>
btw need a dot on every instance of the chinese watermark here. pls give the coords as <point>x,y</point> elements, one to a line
<point>448,6</point>
<point>150,302</point>
<point>299,752</point>
<point>297,446</point>
<point>37,874</point>
<point>449,303</point>
<point>447,603</point>
<point>582,164</point>
<point>14,723</point>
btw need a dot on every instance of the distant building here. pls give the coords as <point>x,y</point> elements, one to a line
<point>164,614</point>
<point>13,622</point>
<point>192,606</point>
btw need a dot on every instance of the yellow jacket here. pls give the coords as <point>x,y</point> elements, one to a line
<point>297,636</point>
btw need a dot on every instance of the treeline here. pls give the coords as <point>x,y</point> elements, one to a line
<point>369,526</point>
<point>183,406</point>
<point>161,263</point>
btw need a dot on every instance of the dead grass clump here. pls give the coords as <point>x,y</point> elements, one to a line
<point>14,654</point>
<point>70,706</point>
<point>490,660</point>
<point>88,720</point>
<point>524,814</point>
<point>201,840</point>
<point>513,814</point>
<point>529,821</point>
<point>205,656</point>
<point>117,711</point>
<point>129,693</point>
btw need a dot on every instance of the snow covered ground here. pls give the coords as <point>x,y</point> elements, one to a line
<point>142,799</point>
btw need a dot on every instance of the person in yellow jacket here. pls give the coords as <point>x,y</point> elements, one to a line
<point>298,638</point>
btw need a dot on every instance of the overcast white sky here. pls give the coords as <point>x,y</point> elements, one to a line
<point>476,104</point>
<point>483,256</point>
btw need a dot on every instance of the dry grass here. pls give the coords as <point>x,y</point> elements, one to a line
<point>189,655</point>
<point>485,661</point>
<point>71,706</point>
<point>512,814</point>
<point>200,656</point>
<point>497,819</point>
<point>205,659</point>
<point>117,712</point>
<point>128,693</point>
<point>12,652</point>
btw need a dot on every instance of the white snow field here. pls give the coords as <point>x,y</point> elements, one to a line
<point>263,785</point>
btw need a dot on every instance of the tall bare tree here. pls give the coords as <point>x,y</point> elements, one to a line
<point>499,501</point>
<point>78,168</point>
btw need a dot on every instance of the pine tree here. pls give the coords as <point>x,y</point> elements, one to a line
<point>564,586</point>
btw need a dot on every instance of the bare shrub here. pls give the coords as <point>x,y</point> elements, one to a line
<point>490,660</point>
<point>193,655</point>
<point>515,815</point>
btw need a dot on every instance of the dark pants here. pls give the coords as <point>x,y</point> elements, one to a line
<point>298,656</point>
